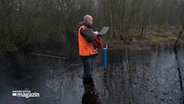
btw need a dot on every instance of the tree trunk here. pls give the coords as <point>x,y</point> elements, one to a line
<point>176,45</point>
<point>110,19</point>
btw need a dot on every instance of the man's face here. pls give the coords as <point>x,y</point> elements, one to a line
<point>90,21</point>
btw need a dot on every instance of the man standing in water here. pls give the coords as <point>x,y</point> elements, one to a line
<point>87,44</point>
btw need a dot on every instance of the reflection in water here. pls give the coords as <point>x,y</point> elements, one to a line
<point>141,78</point>
<point>90,95</point>
<point>179,69</point>
<point>133,78</point>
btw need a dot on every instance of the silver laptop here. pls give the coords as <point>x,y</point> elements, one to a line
<point>104,30</point>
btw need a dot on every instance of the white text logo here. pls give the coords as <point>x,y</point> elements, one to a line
<point>24,94</point>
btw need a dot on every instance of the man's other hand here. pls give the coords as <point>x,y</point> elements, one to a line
<point>96,32</point>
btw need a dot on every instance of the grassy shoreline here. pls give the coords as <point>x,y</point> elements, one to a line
<point>148,41</point>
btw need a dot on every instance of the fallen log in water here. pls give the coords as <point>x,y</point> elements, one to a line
<point>51,56</point>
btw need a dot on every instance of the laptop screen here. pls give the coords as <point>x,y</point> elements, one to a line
<point>104,30</point>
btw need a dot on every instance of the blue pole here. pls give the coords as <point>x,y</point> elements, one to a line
<point>105,58</point>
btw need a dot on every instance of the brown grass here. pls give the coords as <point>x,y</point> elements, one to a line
<point>152,39</point>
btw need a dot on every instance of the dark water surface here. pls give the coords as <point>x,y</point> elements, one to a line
<point>134,77</point>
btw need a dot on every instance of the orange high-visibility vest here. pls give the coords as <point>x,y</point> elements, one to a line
<point>85,48</point>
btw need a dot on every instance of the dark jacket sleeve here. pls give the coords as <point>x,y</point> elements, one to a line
<point>90,37</point>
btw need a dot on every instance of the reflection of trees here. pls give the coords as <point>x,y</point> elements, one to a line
<point>179,76</point>
<point>120,81</point>
<point>143,77</point>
